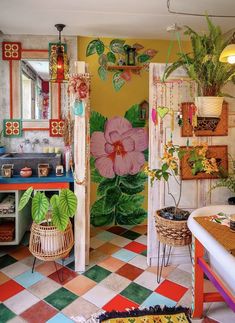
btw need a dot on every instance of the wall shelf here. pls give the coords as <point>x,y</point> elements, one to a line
<point>124,67</point>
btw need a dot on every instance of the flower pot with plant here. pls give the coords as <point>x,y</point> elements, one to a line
<point>203,66</point>
<point>2,147</point>
<point>51,235</point>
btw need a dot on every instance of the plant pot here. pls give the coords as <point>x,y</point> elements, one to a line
<point>48,243</point>
<point>231,200</point>
<point>209,106</point>
<point>173,232</point>
<point>2,150</point>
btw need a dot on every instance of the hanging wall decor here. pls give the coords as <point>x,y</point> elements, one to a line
<point>121,59</point>
<point>11,51</point>
<point>12,128</point>
<point>56,128</point>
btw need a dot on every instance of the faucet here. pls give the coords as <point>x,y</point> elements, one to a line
<point>45,141</point>
<point>34,143</point>
<point>26,141</point>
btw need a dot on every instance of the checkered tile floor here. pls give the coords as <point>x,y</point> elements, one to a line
<point>117,278</point>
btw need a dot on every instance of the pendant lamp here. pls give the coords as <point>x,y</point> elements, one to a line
<point>228,53</point>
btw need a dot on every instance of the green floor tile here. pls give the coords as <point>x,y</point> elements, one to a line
<point>136,293</point>
<point>5,314</point>
<point>97,273</point>
<point>131,235</point>
<point>6,261</point>
<point>144,253</point>
<point>71,265</point>
<point>61,298</point>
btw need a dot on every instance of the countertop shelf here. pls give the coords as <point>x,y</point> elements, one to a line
<point>124,67</point>
<point>52,178</point>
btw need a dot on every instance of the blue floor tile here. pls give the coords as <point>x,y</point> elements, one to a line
<point>59,318</point>
<point>106,236</point>
<point>124,255</point>
<point>157,299</point>
<point>28,278</point>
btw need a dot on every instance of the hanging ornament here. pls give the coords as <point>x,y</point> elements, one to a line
<point>154,116</point>
<point>162,111</point>
<point>78,108</point>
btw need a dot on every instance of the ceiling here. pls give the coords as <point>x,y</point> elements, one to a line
<point>111,18</point>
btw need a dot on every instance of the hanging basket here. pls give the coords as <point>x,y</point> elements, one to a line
<point>48,243</point>
<point>209,106</point>
<point>172,232</point>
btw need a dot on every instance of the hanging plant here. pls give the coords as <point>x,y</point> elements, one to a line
<point>115,54</point>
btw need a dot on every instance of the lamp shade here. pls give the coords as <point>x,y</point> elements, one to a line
<point>228,54</point>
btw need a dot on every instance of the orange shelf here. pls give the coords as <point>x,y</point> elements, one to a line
<point>123,67</point>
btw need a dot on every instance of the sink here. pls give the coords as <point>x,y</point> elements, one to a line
<point>31,160</point>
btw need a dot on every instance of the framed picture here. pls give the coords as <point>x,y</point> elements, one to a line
<point>220,153</point>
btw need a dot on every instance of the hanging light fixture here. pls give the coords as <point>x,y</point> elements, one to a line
<point>59,67</point>
<point>228,53</point>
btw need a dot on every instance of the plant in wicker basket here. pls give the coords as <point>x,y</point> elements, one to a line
<point>51,232</point>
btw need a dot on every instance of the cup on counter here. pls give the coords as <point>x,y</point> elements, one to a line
<point>45,150</point>
<point>57,150</point>
<point>51,150</point>
<point>232,222</point>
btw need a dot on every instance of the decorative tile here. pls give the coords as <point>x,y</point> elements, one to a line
<point>28,261</point>
<point>171,290</point>
<point>117,230</point>
<point>6,260</point>
<point>119,303</point>
<point>28,278</point>
<point>3,278</point>
<point>139,261</point>
<point>11,51</point>
<point>142,239</point>
<point>132,235</point>
<point>158,299</point>
<point>181,277</point>
<point>40,313</point>
<point>165,270</point>
<point>16,319</point>
<point>9,289</point>
<point>111,264</point>
<point>142,229</point>
<point>20,253</point>
<point>136,293</point>
<point>12,128</point>
<point>144,253</point>
<point>96,243</point>
<point>71,265</point>
<point>220,312</point>
<point>44,287</point>
<point>60,298</point>
<point>108,248</point>
<point>106,236</point>
<point>56,127</point>
<point>21,302</point>
<point>80,285</point>
<point>5,313</point>
<point>124,255</point>
<point>97,273</point>
<point>60,318</point>
<point>63,275</point>
<point>136,247</point>
<point>115,282</point>
<point>96,256</point>
<point>80,308</point>
<point>186,267</point>
<point>148,280</point>
<point>120,241</point>
<point>129,271</point>
<point>15,269</point>
<point>104,295</point>
<point>47,268</point>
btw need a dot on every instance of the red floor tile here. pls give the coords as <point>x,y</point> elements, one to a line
<point>129,271</point>
<point>119,303</point>
<point>65,275</point>
<point>171,290</point>
<point>136,247</point>
<point>40,313</point>
<point>9,289</point>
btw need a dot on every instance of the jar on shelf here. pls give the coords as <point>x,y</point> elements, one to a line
<point>130,56</point>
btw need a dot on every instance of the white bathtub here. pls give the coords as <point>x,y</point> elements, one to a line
<point>221,261</point>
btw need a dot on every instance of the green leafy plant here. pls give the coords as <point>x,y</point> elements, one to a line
<point>115,54</point>
<point>227,179</point>
<point>202,64</point>
<point>55,211</point>
<point>1,137</point>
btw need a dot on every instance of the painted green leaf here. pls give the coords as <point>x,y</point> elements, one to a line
<point>100,219</point>
<point>105,184</point>
<point>95,175</point>
<point>118,82</point>
<point>116,46</point>
<point>133,181</point>
<point>146,154</point>
<point>111,57</point>
<point>143,58</point>
<point>97,122</point>
<point>128,204</point>
<point>134,218</point>
<point>40,206</point>
<point>59,218</point>
<point>103,60</point>
<point>131,191</point>
<point>102,73</point>
<point>99,207</point>
<point>99,47</point>
<point>25,198</point>
<point>91,47</point>
<point>133,115</point>
<point>112,197</point>
<point>68,202</point>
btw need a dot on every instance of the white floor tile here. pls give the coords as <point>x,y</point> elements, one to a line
<point>139,261</point>
<point>21,302</point>
<point>148,280</point>
<point>99,295</point>
<point>221,312</point>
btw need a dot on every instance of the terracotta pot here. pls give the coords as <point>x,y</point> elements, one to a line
<point>26,172</point>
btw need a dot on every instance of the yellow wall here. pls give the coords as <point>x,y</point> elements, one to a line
<point>105,99</point>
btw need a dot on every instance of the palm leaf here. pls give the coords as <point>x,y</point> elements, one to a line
<point>25,198</point>
<point>59,218</point>
<point>68,202</point>
<point>40,206</point>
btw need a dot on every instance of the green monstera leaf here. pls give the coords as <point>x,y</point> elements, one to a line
<point>91,47</point>
<point>133,115</point>
<point>105,184</point>
<point>100,219</point>
<point>134,218</point>
<point>111,57</point>
<point>59,218</point>
<point>133,181</point>
<point>40,206</point>
<point>102,73</point>
<point>99,46</point>
<point>116,46</point>
<point>97,122</point>
<point>95,175</point>
<point>131,191</point>
<point>25,198</point>
<point>67,202</point>
<point>129,203</point>
<point>112,197</point>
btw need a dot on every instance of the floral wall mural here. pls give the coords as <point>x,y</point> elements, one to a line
<point>119,149</point>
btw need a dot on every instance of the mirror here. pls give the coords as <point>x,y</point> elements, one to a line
<point>35,90</point>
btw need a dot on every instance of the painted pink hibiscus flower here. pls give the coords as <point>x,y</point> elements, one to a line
<point>119,149</point>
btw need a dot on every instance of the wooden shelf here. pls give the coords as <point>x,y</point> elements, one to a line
<point>124,67</point>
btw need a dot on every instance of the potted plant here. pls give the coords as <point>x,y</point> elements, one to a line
<point>2,147</point>
<point>51,232</point>
<point>203,66</point>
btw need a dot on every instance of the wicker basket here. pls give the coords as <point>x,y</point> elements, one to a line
<point>48,243</point>
<point>209,106</point>
<point>172,233</point>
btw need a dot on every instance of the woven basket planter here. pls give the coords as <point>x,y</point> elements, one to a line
<point>171,232</point>
<point>209,106</point>
<point>48,243</point>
